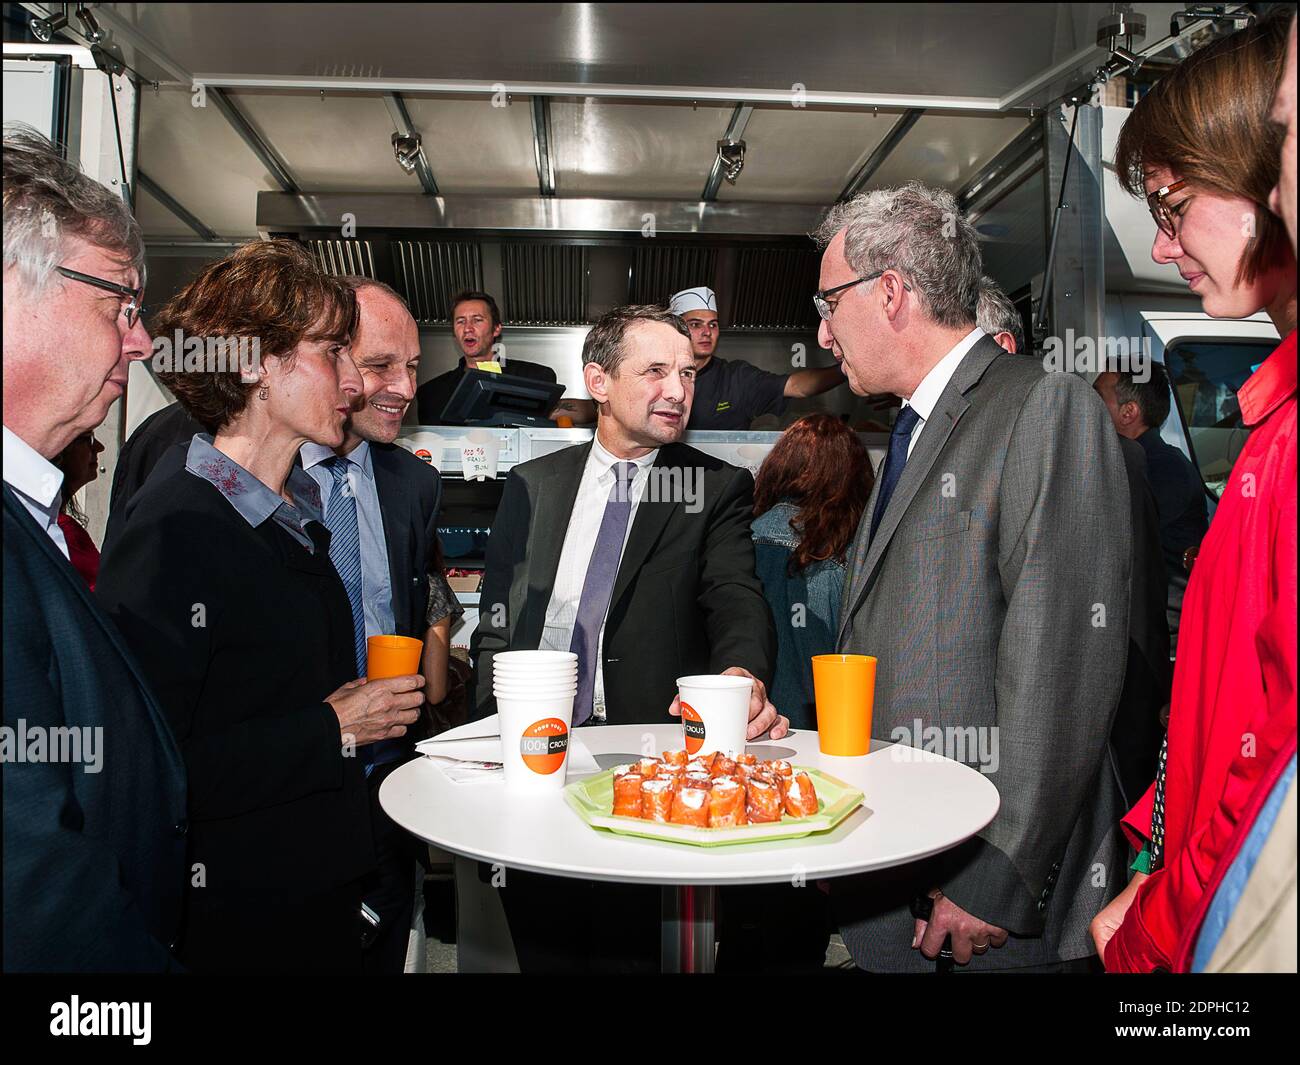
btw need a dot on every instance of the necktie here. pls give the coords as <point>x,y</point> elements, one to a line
<point>899,439</point>
<point>1158,811</point>
<point>599,586</point>
<point>345,550</point>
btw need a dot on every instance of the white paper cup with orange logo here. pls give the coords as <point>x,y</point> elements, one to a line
<point>535,732</point>
<point>715,713</point>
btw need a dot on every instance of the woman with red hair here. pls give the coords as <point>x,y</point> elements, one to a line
<point>809,497</point>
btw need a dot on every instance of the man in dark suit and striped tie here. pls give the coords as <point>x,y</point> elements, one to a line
<point>94,801</point>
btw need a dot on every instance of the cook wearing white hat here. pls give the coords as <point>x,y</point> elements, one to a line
<point>729,394</point>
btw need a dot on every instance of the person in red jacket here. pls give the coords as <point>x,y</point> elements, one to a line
<point>1201,148</point>
<point>79,462</point>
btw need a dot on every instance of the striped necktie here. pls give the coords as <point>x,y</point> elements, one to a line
<point>345,550</point>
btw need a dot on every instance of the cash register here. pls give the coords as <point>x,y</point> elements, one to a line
<point>501,400</point>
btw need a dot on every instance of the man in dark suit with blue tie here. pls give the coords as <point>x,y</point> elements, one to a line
<point>381,507</point>
<point>94,787</point>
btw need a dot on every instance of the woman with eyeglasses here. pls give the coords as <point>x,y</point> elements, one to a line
<point>79,462</point>
<point>222,583</point>
<point>1199,146</point>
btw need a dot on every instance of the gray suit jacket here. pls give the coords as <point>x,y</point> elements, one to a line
<point>995,595</point>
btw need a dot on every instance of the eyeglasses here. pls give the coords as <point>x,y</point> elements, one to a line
<point>825,308</point>
<point>135,296</point>
<point>1162,211</point>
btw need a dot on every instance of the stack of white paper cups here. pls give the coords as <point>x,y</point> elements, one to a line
<point>534,692</point>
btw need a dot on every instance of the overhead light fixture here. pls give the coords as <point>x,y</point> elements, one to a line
<point>44,29</point>
<point>731,154</point>
<point>90,28</point>
<point>407,150</point>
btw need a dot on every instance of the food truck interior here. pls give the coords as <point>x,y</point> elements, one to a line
<point>571,158</point>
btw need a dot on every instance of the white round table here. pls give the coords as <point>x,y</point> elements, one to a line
<point>916,804</point>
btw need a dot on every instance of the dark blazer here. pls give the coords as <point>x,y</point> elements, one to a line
<point>94,863</point>
<point>410,493</point>
<point>409,490</point>
<point>155,436</point>
<point>1137,732</point>
<point>995,598</point>
<point>685,600</point>
<point>243,634</point>
<point>432,396</point>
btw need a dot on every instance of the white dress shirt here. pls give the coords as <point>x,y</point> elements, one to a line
<point>932,384</point>
<point>376,577</point>
<point>37,482</point>
<point>579,543</point>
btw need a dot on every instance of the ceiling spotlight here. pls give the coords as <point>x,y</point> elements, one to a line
<point>90,28</point>
<point>731,154</point>
<point>44,29</point>
<point>407,150</point>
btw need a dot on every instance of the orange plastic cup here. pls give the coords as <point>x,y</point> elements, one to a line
<point>845,690</point>
<point>392,656</point>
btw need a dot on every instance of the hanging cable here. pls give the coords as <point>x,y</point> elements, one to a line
<point>1056,223</point>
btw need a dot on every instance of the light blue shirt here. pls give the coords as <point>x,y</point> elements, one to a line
<point>252,499</point>
<point>376,577</point>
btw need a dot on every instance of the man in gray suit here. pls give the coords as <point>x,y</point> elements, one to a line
<point>990,579</point>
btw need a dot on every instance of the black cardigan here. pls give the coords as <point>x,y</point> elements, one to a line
<point>242,634</point>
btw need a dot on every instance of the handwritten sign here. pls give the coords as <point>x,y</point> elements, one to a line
<point>479,452</point>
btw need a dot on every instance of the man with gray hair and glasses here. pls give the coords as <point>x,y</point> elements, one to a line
<point>989,578</point>
<point>94,787</point>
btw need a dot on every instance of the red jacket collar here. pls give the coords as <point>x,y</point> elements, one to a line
<point>1271,385</point>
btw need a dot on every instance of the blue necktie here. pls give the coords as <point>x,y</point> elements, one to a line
<point>899,439</point>
<point>599,586</point>
<point>345,550</point>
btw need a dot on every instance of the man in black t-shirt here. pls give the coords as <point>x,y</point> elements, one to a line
<point>729,394</point>
<point>476,325</point>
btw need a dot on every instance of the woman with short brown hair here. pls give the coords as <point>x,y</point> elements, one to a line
<point>1202,150</point>
<point>221,581</point>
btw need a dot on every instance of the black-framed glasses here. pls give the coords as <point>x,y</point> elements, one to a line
<point>1162,212</point>
<point>825,308</point>
<point>134,307</point>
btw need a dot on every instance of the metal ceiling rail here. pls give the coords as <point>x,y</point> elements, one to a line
<point>279,211</point>
<point>402,122</point>
<point>172,204</point>
<point>269,157</point>
<point>735,131</point>
<point>542,145</point>
<point>683,93</point>
<point>881,152</point>
<point>1026,143</point>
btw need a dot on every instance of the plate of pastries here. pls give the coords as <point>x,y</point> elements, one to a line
<point>713,799</point>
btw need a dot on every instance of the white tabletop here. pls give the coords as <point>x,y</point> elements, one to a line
<point>916,805</point>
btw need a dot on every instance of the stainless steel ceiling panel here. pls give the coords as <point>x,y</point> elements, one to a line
<point>473,146</point>
<point>804,155</point>
<point>342,143</point>
<point>946,150</point>
<point>197,157</point>
<point>628,150</point>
